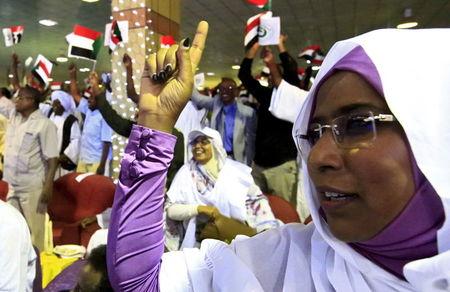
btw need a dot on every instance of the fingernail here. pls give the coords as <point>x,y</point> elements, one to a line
<point>162,75</point>
<point>168,68</point>
<point>186,43</point>
<point>155,77</point>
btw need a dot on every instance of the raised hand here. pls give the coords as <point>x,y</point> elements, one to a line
<point>167,82</point>
<point>127,61</point>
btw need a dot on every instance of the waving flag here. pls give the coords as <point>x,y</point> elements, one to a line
<point>313,54</point>
<point>257,2</point>
<point>42,69</point>
<point>116,32</point>
<point>84,43</point>
<point>13,35</point>
<point>251,29</point>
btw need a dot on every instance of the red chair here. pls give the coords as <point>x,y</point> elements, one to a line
<point>283,210</point>
<point>74,205</point>
<point>3,190</point>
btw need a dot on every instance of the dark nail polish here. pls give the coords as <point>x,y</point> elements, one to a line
<point>168,68</point>
<point>186,42</point>
<point>155,77</point>
<point>162,75</point>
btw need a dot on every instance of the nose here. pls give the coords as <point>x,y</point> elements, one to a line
<point>325,155</point>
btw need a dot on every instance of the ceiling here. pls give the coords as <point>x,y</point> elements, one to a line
<point>305,22</point>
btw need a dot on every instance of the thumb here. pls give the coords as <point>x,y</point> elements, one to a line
<point>185,74</point>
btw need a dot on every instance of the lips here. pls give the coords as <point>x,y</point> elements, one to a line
<point>331,199</point>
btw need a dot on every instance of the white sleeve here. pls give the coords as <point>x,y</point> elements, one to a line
<point>17,256</point>
<point>181,212</point>
<point>73,149</point>
<point>286,101</point>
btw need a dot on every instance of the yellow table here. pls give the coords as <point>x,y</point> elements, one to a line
<point>52,265</point>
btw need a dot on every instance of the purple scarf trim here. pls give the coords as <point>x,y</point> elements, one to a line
<point>412,234</point>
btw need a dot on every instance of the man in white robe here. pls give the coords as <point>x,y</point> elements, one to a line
<point>68,130</point>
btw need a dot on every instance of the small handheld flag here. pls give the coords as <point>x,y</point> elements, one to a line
<point>313,54</point>
<point>84,43</point>
<point>257,2</point>
<point>251,29</point>
<point>42,69</point>
<point>116,32</point>
<point>13,35</point>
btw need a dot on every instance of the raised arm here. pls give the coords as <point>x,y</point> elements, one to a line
<point>135,238</point>
<point>202,101</point>
<point>14,71</point>
<point>131,91</point>
<point>73,83</point>
<point>119,124</point>
<point>288,63</point>
<point>245,75</point>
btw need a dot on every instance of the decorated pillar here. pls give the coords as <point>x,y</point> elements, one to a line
<point>147,20</point>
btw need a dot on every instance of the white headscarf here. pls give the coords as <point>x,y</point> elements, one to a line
<point>65,99</point>
<point>420,100</point>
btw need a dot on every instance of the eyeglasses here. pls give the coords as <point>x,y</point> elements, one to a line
<point>349,131</point>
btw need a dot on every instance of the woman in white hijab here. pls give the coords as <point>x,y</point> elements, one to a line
<point>208,188</point>
<point>374,136</point>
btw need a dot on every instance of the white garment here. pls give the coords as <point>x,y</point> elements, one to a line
<point>227,196</point>
<point>189,120</point>
<point>99,237</point>
<point>287,101</point>
<point>17,256</point>
<point>73,149</point>
<point>6,107</point>
<point>298,258</point>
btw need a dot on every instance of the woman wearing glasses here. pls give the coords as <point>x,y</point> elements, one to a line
<point>374,136</point>
<point>213,196</point>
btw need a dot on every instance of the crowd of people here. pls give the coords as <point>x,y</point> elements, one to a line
<point>359,154</point>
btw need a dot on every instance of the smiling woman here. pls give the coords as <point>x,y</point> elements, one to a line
<point>374,136</point>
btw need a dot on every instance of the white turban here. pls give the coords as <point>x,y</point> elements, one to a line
<point>65,99</point>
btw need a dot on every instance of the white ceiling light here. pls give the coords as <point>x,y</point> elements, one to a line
<point>235,67</point>
<point>315,68</point>
<point>10,76</point>
<point>47,22</point>
<point>85,69</point>
<point>67,82</point>
<point>61,59</point>
<point>90,1</point>
<point>408,20</point>
<point>407,24</point>
<point>210,74</point>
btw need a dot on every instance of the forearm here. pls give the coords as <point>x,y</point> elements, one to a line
<point>276,74</point>
<point>180,212</point>
<point>74,89</point>
<point>136,237</point>
<point>105,152</point>
<point>15,78</point>
<point>52,164</point>
<point>120,125</point>
<point>131,91</point>
<point>289,68</point>
<point>245,75</point>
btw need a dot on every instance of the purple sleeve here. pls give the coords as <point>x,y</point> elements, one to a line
<point>135,238</point>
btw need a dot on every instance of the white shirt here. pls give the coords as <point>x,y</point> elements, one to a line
<point>29,144</point>
<point>17,256</point>
<point>73,149</point>
<point>6,106</point>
